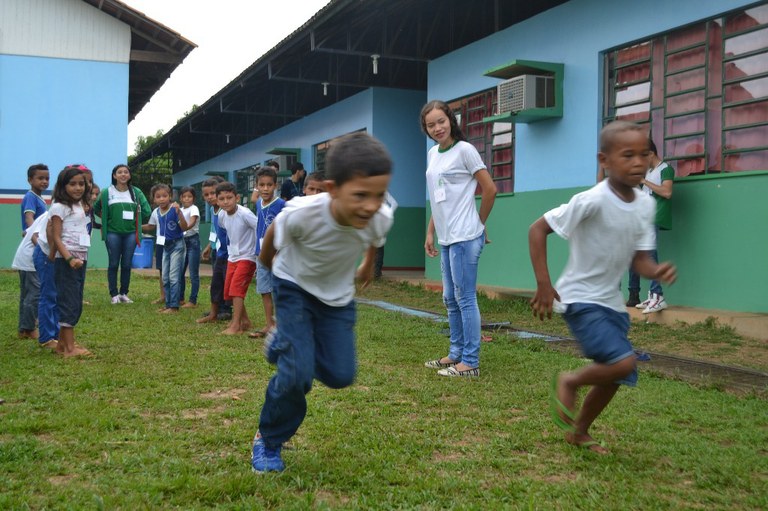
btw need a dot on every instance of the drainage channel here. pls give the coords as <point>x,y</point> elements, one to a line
<point>722,376</point>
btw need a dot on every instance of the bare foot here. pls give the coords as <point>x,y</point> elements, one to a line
<point>189,305</point>
<point>77,351</point>
<point>232,331</point>
<point>245,325</point>
<point>159,300</point>
<point>51,345</point>
<point>170,310</point>
<point>206,319</point>
<point>585,441</point>
<point>161,310</point>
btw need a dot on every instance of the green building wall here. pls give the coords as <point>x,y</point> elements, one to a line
<point>719,242</point>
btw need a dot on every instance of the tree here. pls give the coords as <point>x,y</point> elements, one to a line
<point>157,169</point>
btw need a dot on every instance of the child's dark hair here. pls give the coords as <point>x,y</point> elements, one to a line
<point>212,182</point>
<point>187,189</point>
<point>273,164</point>
<point>317,175</point>
<point>267,171</point>
<point>226,186</point>
<point>357,155</point>
<point>436,104</point>
<point>114,179</point>
<point>60,188</point>
<point>652,146</point>
<point>157,187</point>
<point>34,168</point>
<point>297,167</point>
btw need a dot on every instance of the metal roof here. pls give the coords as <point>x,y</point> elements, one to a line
<point>156,51</point>
<point>335,51</point>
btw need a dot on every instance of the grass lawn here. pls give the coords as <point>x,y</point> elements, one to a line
<point>162,418</point>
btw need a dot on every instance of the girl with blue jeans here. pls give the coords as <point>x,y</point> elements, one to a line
<point>454,171</point>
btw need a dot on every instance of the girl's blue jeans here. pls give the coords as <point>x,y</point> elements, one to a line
<point>120,249</point>
<point>458,263</point>
<point>314,340</point>
<point>47,310</point>
<point>191,261</point>
<point>173,266</point>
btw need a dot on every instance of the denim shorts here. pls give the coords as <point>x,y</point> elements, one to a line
<point>602,335</point>
<point>263,279</point>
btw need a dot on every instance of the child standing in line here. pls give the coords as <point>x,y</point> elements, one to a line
<point>170,225</point>
<point>315,243</point>
<point>267,208</point>
<point>32,204</point>
<point>217,251</point>
<point>607,227</point>
<point>314,183</point>
<point>192,242</point>
<point>69,242</point>
<point>47,311</point>
<point>29,284</point>
<point>240,225</point>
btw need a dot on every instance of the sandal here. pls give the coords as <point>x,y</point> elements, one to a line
<point>258,334</point>
<point>557,409</point>
<point>453,372</point>
<point>436,364</point>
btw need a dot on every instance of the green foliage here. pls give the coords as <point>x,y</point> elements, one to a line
<point>162,418</point>
<point>151,171</point>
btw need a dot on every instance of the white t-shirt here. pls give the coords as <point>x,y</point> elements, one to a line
<point>451,184</point>
<point>22,261</point>
<point>115,196</point>
<point>74,228</point>
<point>241,233</point>
<point>317,253</point>
<point>603,234</point>
<point>188,214</point>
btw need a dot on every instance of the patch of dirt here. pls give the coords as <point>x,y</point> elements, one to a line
<point>224,394</point>
<point>61,480</point>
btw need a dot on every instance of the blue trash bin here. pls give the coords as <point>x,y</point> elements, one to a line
<point>142,257</point>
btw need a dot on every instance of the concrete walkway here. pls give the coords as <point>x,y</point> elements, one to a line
<point>744,323</point>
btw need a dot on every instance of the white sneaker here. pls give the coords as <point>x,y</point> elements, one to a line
<point>658,304</point>
<point>115,299</point>
<point>124,299</point>
<point>645,303</point>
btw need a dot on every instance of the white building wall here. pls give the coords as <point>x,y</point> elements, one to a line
<point>66,29</point>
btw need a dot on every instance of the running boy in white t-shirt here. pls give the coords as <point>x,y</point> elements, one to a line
<point>607,227</point>
<point>318,241</point>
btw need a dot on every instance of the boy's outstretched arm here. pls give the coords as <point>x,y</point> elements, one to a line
<point>541,303</point>
<point>646,267</point>
<point>268,251</point>
<point>365,271</point>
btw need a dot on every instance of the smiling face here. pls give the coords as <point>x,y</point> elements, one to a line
<point>355,202</point>
<point>313,187</point>
<point>228,201</point>
<point>266,187</point>
<point>438,127</point>
<point>627,159</point>
<point>94,194</point>
<point>75,188</point>
<point>38,183</point>
<point>209,194</point>
<point>122,175</point>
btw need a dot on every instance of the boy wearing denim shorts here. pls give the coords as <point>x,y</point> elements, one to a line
<point>608,227</point>
<point>267,208</point>
<point>318,241</point>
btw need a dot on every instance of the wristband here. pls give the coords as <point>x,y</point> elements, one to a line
<point>69,259</point>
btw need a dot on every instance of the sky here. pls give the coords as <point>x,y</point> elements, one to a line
<point>230,35</point>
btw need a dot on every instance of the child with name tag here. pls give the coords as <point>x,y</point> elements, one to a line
<point>69,241</point>
<point>170,225</point>
<point>192,242</point>
<point>123,208</point>
<point>267,208</point>
<point>216,251</point>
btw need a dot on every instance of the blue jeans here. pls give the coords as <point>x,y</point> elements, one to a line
<point>47,310</point>
<point>71,283</point>
<point>173,267</point>
<point>29,296</point>
<point>120,249</point>
<point>634,279</point>
<point>315,341</point>
<point>458,263</point>
<point>192,260</point>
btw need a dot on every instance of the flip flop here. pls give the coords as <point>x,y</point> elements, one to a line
<point>557,409</point>
<point>258,334</point>
<point>588,445</point>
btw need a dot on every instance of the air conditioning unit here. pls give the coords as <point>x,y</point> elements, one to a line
<point>525,92</point>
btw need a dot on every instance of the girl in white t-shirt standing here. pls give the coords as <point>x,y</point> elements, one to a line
<point>192,241</point>
<point>454,171</point>
<point>69,241</point>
